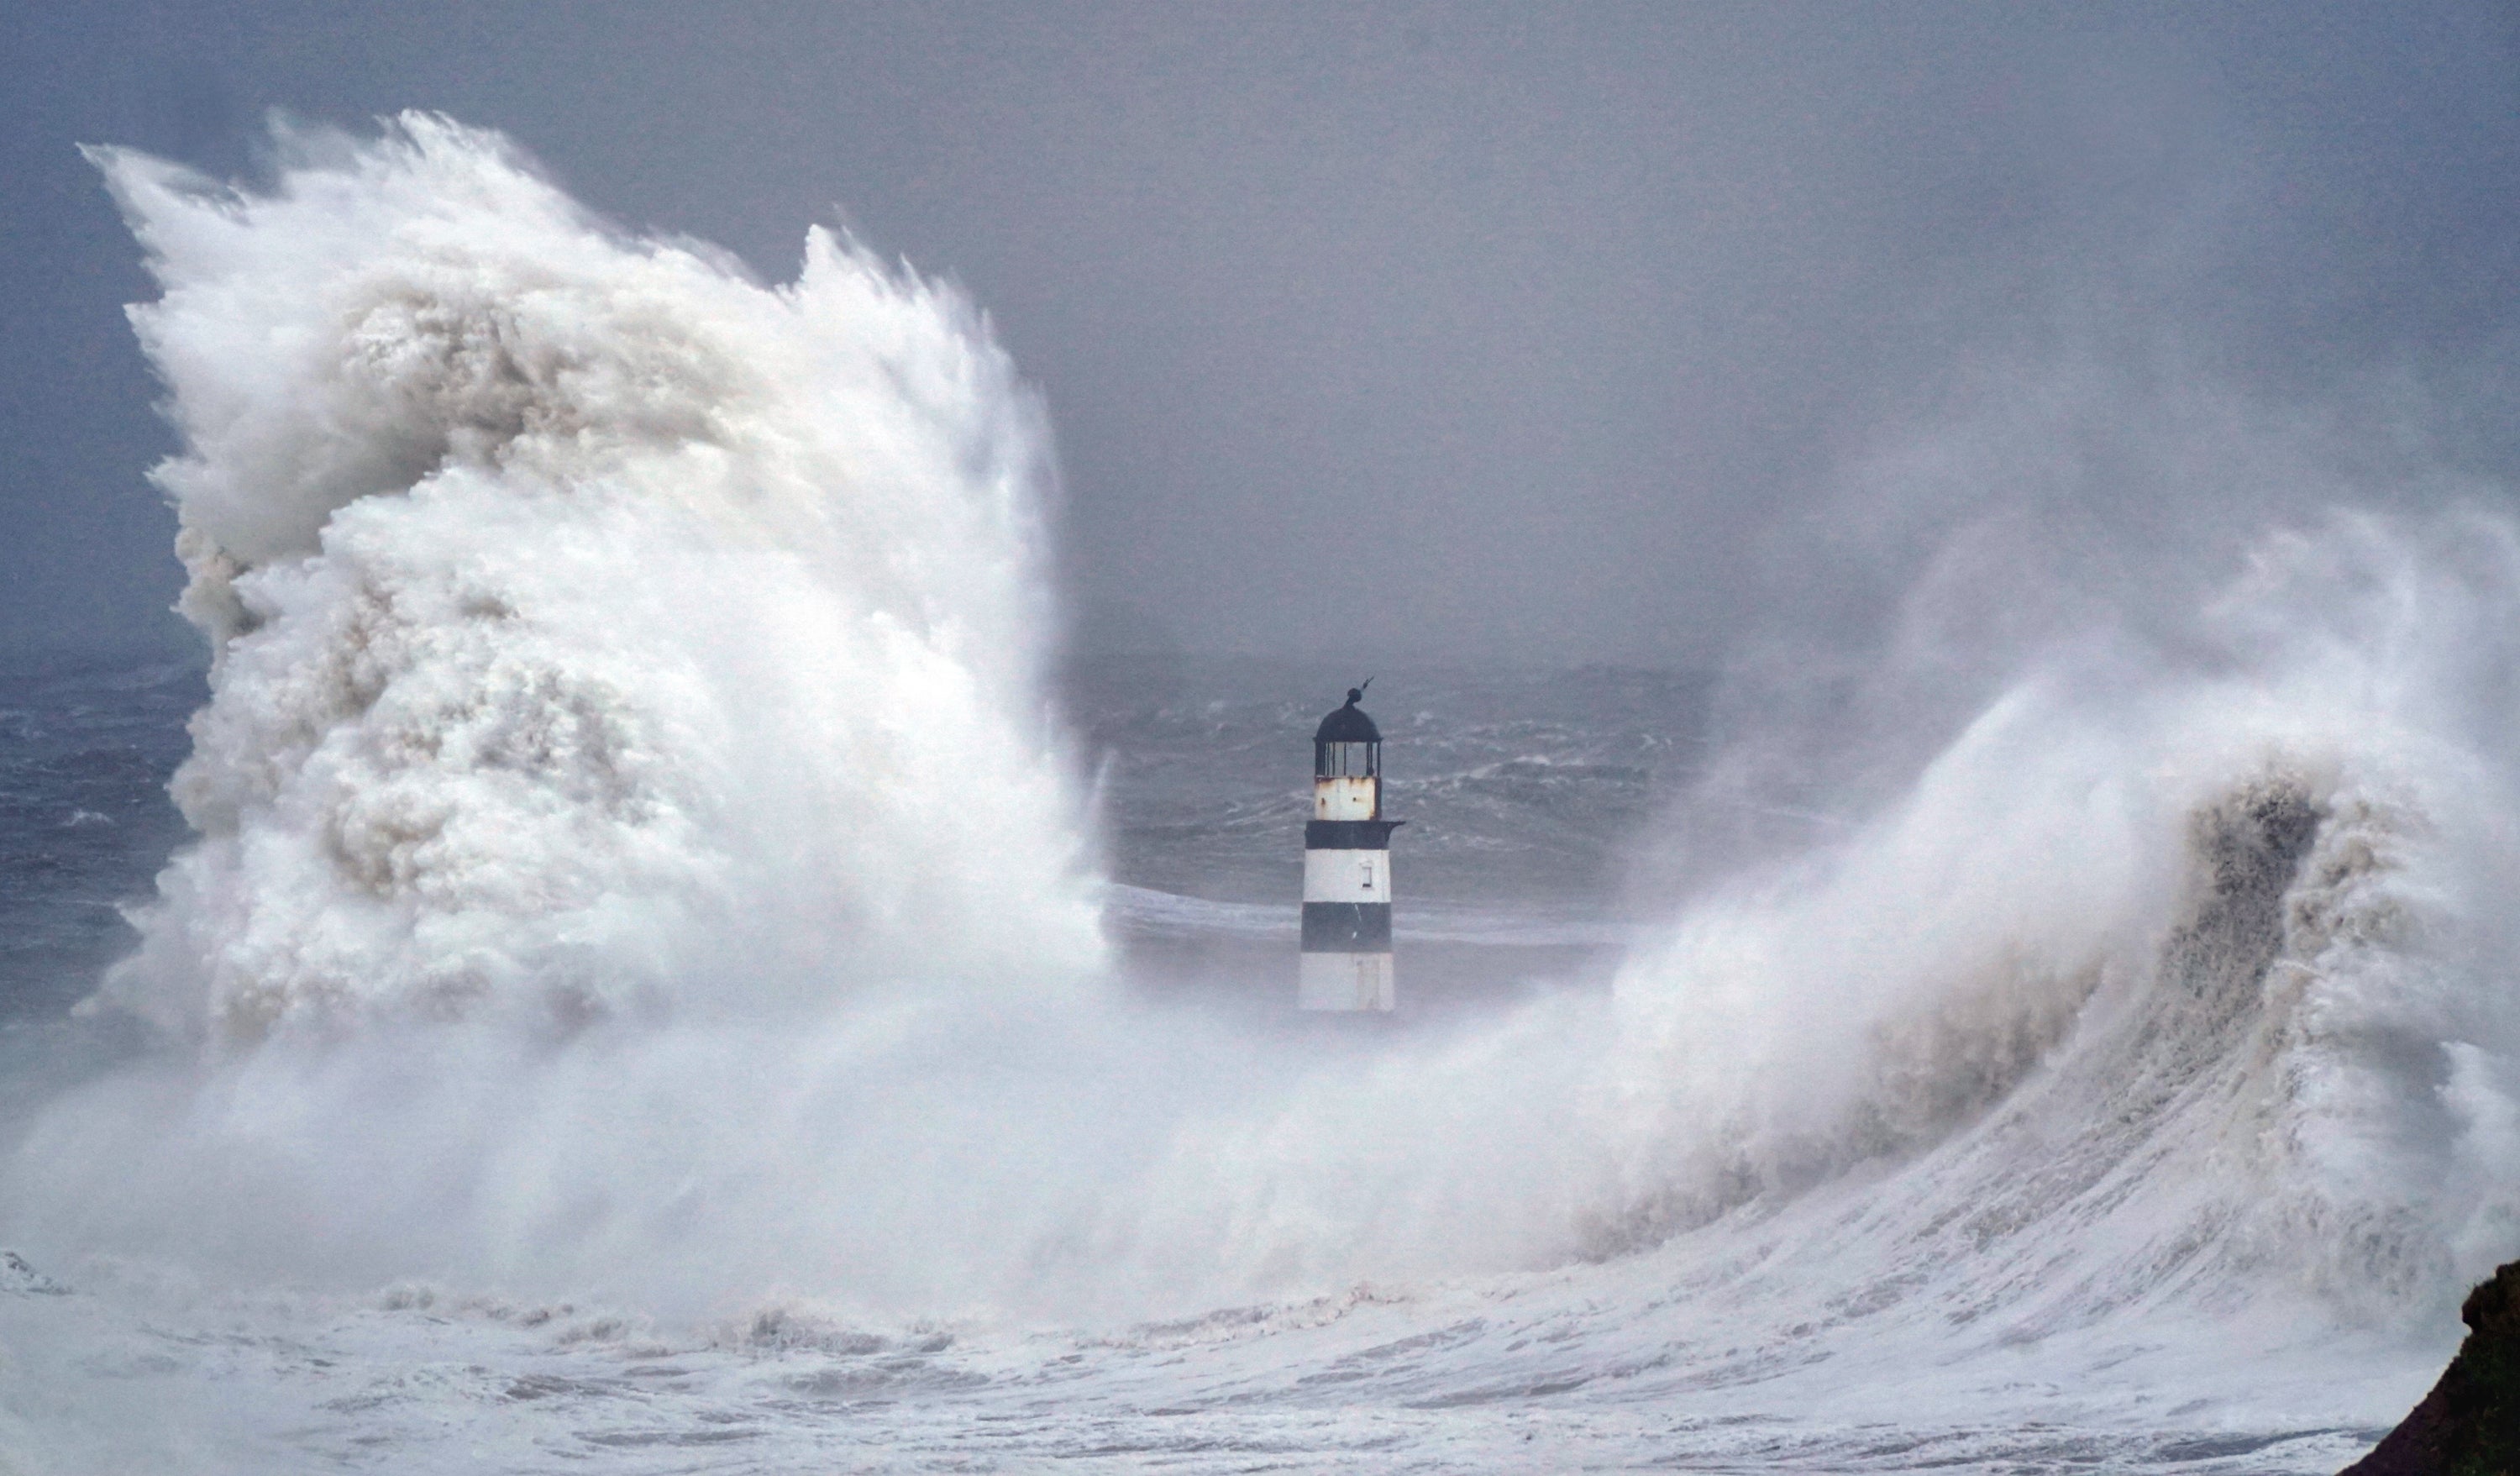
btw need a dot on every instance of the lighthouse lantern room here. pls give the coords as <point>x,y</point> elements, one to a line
<point>1347,869</point>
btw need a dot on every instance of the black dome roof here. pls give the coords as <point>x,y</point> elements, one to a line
<point>1348,725</point>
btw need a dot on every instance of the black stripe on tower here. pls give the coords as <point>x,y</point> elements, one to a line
<point>1350,834</point>
<point>1347,928</point>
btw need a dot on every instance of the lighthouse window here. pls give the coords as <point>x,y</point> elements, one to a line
<point>1347,760</point>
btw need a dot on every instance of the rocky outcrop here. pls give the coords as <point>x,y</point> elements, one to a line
<point>2469,1425</point>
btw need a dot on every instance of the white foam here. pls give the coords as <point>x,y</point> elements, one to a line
<point>621,667</point>
<point>631,861</point>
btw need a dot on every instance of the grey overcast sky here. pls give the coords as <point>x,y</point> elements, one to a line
<point>1522,331</point>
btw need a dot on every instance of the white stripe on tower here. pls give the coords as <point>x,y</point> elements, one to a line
<point>1347,870</point>
<point>1347,876</point>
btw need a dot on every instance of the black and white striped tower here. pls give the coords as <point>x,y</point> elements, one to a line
<point>1347,869</point>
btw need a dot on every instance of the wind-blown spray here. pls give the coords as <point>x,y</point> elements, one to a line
<point>599,638</point>
<point>593,627</point>
<point>631,856</point>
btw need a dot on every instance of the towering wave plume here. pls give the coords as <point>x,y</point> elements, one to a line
<point>594,629</point>
<point>625,734</point>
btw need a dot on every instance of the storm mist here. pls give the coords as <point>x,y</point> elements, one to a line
<point>1651,334</point>
<point>1941,583</point>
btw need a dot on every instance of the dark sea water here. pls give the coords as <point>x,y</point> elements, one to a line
<point>1520,788</point>
<point>1518,785</point>
<point>86,754</point>
<point>85,821</point>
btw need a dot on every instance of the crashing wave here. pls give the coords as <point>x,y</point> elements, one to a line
<point>631,854</point>
<point>594,629</point>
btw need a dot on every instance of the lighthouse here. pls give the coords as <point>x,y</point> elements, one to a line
<point>1347,869</point>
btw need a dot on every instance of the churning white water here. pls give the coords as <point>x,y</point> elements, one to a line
<point>637,990</point>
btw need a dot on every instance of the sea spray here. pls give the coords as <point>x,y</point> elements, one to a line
<point>594,629</point>
<point>632,859</point>
<point>607,649</point>
<point>2162,991</point>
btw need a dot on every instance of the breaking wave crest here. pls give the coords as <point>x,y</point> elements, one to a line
<point>594,629</point>
<point>626,721</point>
<point>2171,984</point>
<point>2174,990</point>
<point>631,854</point>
